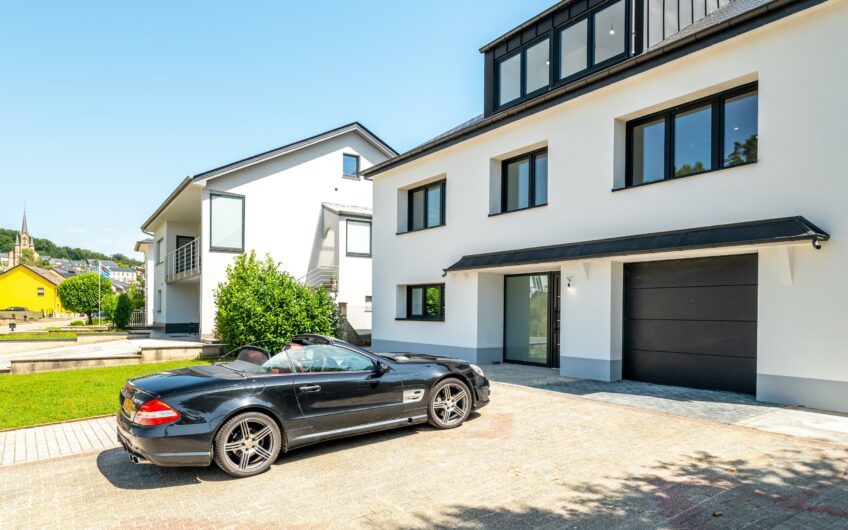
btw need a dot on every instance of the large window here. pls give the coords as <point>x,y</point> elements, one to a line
<point>595,39</point>
<point>524,181</point>
<point>574,49</point>
<point>350,166</point>
<point>427,206</point>
<point>358,238</point>
<point>524,73</point>
<point>425,302</point>
<point>709,134</point>
<point>159,254</point>
<point>226,222</point>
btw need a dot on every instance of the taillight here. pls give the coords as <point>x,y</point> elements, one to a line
<point>155,412</point>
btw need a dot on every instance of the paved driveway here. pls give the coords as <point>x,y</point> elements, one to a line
<point>531,459</point>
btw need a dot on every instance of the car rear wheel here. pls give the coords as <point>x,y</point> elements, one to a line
<point>450,404</point>
<point>247,444</point>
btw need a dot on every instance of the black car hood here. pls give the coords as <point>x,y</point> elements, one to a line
<point>188,379</point>
<point>405,358</point>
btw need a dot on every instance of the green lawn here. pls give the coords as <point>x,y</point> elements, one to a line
<point>33,399</point>
<point>40,336</point>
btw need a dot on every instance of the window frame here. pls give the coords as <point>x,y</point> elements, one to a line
<point>355,175</point>
<point>555,35</point>
<point>522,85</point>
<point>157,249</point>
<point>213,248</point>
<point>442,183</point>
<point>40,291</point>
<point>717,103</point>
<point>531,158</point>
<point>440,317</point>
<point>347,239</point>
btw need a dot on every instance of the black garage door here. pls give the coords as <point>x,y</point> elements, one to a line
<point>692,322</point>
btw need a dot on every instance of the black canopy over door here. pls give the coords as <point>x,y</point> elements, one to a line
<point>692,322</point>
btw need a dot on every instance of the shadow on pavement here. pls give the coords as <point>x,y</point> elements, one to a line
<point>702,491</point>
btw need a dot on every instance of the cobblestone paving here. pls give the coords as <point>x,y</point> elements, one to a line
<point>531,459</point>
<point>52,441</point>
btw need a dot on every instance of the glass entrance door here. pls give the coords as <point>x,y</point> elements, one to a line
<point>527,319</point>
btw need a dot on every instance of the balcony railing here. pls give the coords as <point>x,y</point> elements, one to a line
<point>326,276</point>
<point>138,319</point>
<point>184,262</point>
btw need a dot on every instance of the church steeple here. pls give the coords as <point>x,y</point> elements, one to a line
<point>24,229</point>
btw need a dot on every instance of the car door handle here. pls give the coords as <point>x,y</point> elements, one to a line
<point>310,388</point>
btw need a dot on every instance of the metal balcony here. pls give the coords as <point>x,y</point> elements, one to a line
<point>324,276</point>
<point>183,263</point>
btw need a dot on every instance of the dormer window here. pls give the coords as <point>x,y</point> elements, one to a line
<point>524,72</point>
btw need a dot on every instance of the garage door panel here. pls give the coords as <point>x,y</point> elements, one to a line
<point>736,374</point>
<point>735,339</point>
<point>693,303</point>
<point>697,272</point>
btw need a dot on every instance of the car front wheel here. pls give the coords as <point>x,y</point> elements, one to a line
<point>247,444</point>
<point>450,404</point>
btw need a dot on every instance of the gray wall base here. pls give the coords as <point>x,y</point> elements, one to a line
<point>474,355</point>
<point>585,368</point>
<point>813,393</point>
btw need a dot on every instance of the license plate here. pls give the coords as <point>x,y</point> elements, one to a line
<point>129,407</point>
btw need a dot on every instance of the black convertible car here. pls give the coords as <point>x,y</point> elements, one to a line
<point>242,413</point>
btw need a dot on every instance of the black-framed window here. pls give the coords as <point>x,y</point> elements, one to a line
<point>581,45</point>
<point>712,133</point>
<point>358,238</point>
<point>524,181</point>
<point>426,206</point>
<point>425,302</point>
<point>350,165</point>
<point>226,222</point>
<point>525,72</point>
<point>41,291</point>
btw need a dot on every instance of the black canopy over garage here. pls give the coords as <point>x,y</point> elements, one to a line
<point>786,229</point>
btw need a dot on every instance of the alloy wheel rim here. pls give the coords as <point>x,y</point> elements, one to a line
<point>451,404</point>
<point>249,445</point>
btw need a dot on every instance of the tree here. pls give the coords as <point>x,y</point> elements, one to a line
<point>79,293</point>
<point>28,257</point>
<point>123,311</point>
<point>136,296</point>
<point>7,243</point>
<point>263,305</point>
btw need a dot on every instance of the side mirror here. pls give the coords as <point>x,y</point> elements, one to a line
<point>381,369</point>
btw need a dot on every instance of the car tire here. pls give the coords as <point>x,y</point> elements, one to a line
<point>247,444</point>
<point>450,404</point>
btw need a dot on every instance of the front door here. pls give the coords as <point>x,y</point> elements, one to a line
<point>531,319</point>
<point>338,388</point>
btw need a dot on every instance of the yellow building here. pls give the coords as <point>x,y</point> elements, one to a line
<point>34,288</point>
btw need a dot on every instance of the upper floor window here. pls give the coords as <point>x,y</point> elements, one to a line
<point>158,251</point>
<point>525,72</point>
<point>350,165</point>
<point>226,222</point>
<point>524,181</point>
<point>41,291</point>
<point>358,238</point>
<point>598,37</point>
<point>713,133</point>
<point>427,206</point>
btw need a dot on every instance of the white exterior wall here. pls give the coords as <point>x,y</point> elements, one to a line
<point>283,212</point>
<point>354,280</point>
<point>802,332</point>
<point>180,300</point>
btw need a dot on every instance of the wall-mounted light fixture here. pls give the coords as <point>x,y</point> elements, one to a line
<point>568,281</point>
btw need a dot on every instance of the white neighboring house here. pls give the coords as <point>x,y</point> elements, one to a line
<point>305,204</point>
<point>657,208</point>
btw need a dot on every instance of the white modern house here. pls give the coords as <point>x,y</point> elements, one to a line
<point>655,191</point>
<point>305,204</point>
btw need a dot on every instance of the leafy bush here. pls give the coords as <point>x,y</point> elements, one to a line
<point>81,294</point>
<point>263,305</point>
<point>123,311</point>
<point>97,321</point>
<point>78,323</point>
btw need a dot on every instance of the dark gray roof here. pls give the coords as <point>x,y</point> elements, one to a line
<point>350,127</point>
<point>736,17</point>
<point>783,230</point>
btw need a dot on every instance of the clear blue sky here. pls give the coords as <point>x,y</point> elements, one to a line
<point>106,106</point>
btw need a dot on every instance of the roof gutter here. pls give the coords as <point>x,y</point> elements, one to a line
<point>544,101</point>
